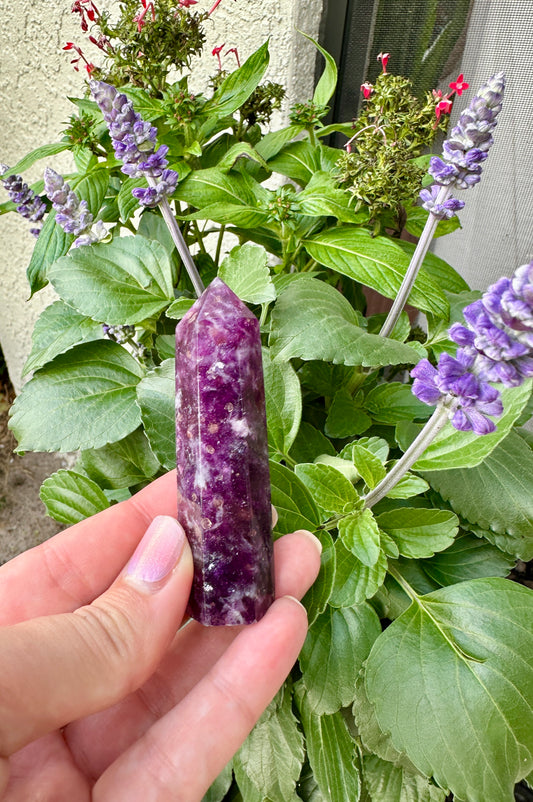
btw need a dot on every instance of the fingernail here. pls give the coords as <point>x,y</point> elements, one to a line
<point>316,542</point>
<point>157,554</point>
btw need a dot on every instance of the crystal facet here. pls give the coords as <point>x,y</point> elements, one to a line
<point>222,459</point>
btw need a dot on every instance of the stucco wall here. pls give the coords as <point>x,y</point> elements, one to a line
<point>36,78</point>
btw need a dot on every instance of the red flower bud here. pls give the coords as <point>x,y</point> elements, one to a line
<point>367,89</point>
<point>384,58</point>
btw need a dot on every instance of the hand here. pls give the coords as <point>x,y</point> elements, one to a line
<point>101,697</point>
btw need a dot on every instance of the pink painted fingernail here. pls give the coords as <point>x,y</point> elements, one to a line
<point>157,553</point>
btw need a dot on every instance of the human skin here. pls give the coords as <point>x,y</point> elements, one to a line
<point>103,696</point>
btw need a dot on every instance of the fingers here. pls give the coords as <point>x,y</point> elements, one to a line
<point>77,565</point>
<point>59,668</point>
<point>188,747</point>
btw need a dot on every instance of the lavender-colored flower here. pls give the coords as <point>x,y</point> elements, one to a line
<point>467,398</point>
<point>134,142</point>
<point>447,209</point>
<point>72,214</point>
<point>29,205</point>
<point>470,139</point>
<point>499,330</point>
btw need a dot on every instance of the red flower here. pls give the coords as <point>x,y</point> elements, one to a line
<point>216,52</point>
<point>235,53</point>
<point>367,89</point>
<point>443,107</point>
<point>459,85</point>
<point>187,3</point>
<point>384,58</point>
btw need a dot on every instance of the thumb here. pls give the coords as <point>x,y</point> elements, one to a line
<point>58,668</point>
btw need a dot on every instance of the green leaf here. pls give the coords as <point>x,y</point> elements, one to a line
<point>376,445</point>
<point>299,161</point>
<point>325,87</point>
<point>292,500</point>
<point>355,582</point>
<point>376,262</point>
<point>345,417</point>
<point>179,308</point>
<point>220,787</point>
<point>271,758</point>
<point>454,449</point>
<point>310,443</point>
<point>347,468</point>
<point>392,402</point>
<point>70,497</point>
<point>239,85</point>
<point>408,486</point>
<point>42,152</point>
<point>149,107</point>
<point>336,647</point>
<point>214,186</point>
<point>416,220</point>
<point>450,679</point>
<point>373,739</point>
<point>389,783</point>
<point>152,226</point>
<point>360,535</point>
<point>245,270</point>
<point>58,328</point>
<point>496,496</point>
<point>283,403</point>
<point>419,532</point>
<point>82,399</point>
<point>237,151</point>
<point>274,141</point>
<point>331,489</point>
<point>330,752</point>
<point>92,187</point>
<point>231,213</point>
<point>467,558</point>
<point>127,203</point>
<point>121,464</point>
<point>317,597</point>
<point>51,244</point>
<point>121,282</point>
<point>155,395</point>
<point>369,466</point>
<point>323,198</point>
<point>312,320</point>
<point>443,274</point>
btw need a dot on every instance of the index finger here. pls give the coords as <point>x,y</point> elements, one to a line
<point>78,564</point>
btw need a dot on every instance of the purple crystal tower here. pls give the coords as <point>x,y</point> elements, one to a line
<point>222,459</point>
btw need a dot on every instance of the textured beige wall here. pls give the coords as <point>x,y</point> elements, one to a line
<point>36,77</point>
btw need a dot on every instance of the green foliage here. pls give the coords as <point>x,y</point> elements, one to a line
<point>415,677</point>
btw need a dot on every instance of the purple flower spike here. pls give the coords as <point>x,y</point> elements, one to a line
<point>134,142</point>
<point>447,209</point>
<point>29,205</point>
<point>72,214</point>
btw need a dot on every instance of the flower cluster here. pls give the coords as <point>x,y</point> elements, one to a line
<point>496,345</point>
<point>445,209</point>
<point>134,141</point>
<point>29,205</point>
<point>124,335</point>
<point>72,214</point>
<point>499,329</point>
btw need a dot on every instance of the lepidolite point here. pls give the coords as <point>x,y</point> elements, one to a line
<point>222,459</point>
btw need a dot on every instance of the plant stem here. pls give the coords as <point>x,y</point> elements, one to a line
<point>414,266</point>
<point>179,242</point>
<point>417,447</point>
<point>219,244</point>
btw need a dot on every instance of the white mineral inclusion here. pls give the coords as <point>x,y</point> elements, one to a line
<point>240,427</point>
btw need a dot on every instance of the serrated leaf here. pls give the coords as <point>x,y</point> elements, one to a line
<point>121,464</point>
<point>408,486</point>
<point>355,582</point>
<point>454,449</point>
<point>343,465</point>
<point>331,490</point>
<point>310,443</point>
<point>392,402</point>
<point>360,535</point>
<point>345,417</point>
<point>369,466</point>
<point>70,497</point>
<point>336,646</point>
<point>283,403</point>
<point>461,654</point>
<point>57,329</point>
<point>376,262</point>
<point>121,282</point>
<point>245,270</point>
<point>179,308</point>
<point>330,752</point>
<point>82,399</point>
<point>376,445</point>
<point>373,739</point>
<point>317,597</point>
<point>467,558</point>
<point>292,500</point>
<point>496,496</point>
<point>418,531</point>
<point>272,756</point>
<point>155,395</point>
<point>312,320</point>
<point>239,85</point>
<point>389,783</point>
